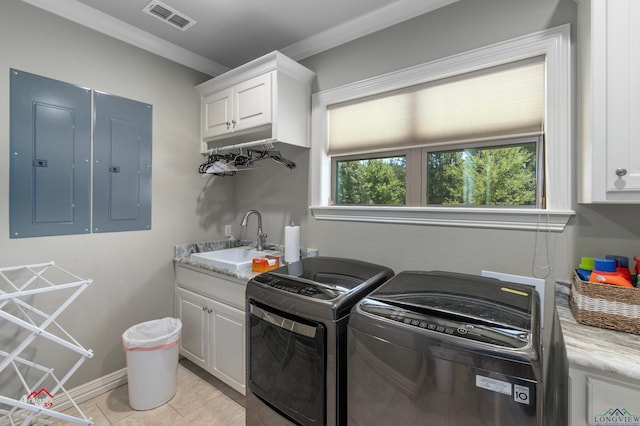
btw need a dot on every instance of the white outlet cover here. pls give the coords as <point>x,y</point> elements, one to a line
<point>538,283</point>
<point>227,231</point>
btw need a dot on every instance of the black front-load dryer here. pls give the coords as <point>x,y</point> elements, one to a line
<point>436,348</point>
<point>297,319</point>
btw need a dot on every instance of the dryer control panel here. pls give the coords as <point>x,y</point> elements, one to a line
<point>298,286</point>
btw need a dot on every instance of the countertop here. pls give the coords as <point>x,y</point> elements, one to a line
<point>596,348</point>
<point>183,251</point>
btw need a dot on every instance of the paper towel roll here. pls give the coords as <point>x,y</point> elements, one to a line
<point>291,243</point>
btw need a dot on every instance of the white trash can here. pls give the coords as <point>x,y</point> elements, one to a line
<point>152,362</point>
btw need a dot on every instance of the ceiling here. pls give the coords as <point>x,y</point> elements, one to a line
<point>228,33</point>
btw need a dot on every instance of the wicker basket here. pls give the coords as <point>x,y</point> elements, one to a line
<point>605,306</point>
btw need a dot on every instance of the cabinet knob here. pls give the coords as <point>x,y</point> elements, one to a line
<point>228,124</point>
<point>621,172</point>
<point>204,308</point>
<point>209,310</point>
<point>233,122</point>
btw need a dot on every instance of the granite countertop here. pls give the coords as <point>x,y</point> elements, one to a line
<point>596,348</point>
<point>183,251</point>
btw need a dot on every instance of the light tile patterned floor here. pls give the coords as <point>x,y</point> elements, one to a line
<point>200,399</point>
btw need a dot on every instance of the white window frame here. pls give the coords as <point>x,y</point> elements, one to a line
<point>555,45</point>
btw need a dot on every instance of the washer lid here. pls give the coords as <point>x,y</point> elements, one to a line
<point>468,298</point>
<point>333,271</point>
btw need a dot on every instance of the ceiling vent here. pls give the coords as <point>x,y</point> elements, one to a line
<point>169,15</point>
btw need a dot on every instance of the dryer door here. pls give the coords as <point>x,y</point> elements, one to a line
<point>287,363</point>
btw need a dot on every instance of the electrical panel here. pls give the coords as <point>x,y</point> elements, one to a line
<point>121,164</point>
<point>51,165</point>
<point>50,149</point>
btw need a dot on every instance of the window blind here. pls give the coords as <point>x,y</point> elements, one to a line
<point>499,102</point>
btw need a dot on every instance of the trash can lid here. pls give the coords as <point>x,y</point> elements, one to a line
<point>152,333</point>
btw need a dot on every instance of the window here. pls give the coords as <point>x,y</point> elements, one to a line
<point>450,142</point>
<point>494,175</point>
<point>484,112</point>
<point>498,173</point>
<point>372,180</point>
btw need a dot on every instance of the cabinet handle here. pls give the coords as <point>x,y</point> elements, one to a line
<point>233,122</point>
<point>621,172</point>
<point>204,308</point>
<point>228,124</point>
<point>209,310</point>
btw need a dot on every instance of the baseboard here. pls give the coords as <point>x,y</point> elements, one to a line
<point>91,389</point>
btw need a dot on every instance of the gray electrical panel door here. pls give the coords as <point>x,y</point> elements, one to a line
<point>50,150</point>
<point>121,164</point>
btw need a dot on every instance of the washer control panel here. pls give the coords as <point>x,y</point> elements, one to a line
<point>445,324</point>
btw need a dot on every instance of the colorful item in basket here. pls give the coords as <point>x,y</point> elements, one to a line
<point>604,272</point>
<point>585,268</point>
<point>622,265</point>
<point>265,264</point>
<point>637,269</point>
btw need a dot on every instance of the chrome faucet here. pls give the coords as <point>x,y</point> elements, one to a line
<point>262,237</point>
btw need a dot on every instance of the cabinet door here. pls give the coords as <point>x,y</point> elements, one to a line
<point>623,95</point>
<point>50,165</point>
<point>597,400</point>
<point>252,103</point>
<point>194,341</point>
<point>228,351</point>
<point>217,113</point>
<point>611,402</point>
<point>122,156</point>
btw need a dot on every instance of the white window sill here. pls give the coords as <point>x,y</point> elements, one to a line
<point>518,219</point>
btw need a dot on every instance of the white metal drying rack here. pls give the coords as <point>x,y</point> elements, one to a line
<point>28,281</point>
<point>264,142</point>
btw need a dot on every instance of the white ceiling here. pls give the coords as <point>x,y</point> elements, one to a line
<point>229,33</point>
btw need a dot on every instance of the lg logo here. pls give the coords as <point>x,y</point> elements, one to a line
<point>521,394</point>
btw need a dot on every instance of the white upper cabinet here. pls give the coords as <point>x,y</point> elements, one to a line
<point>268,98</point>
<point>235,109</point>
<point>609,100</point>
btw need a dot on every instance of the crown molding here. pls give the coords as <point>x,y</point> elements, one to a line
<point>89,17</point>
<point>379,19</point>
<point>376,20</point>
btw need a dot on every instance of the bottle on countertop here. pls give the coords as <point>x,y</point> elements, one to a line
<point>604,272</point>
<point>622,265</point>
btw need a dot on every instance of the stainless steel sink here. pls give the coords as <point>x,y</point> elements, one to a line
<point>234,259</point>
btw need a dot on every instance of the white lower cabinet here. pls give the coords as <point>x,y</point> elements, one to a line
<point>596,399</point>
<point>213,333</point>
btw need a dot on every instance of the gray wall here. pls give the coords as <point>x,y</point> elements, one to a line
<point>132,271</point>
<point>462,26</point>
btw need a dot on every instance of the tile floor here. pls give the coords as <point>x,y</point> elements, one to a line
<point>200,399</point>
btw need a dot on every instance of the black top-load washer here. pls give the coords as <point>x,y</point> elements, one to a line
<point>297,319</point>
<point>446,348</point>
